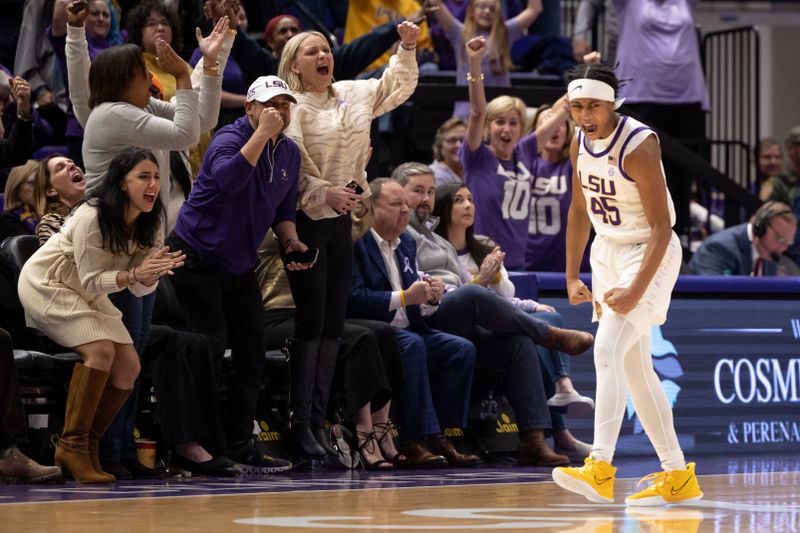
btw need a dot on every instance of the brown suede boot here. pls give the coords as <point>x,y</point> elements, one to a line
<point>569,341</point>
<point>84,394</point>
<point>534,451</point>
<point>110,403</point>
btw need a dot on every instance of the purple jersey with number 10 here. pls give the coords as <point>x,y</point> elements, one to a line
<point>551,193</point>
<point>502,192</point>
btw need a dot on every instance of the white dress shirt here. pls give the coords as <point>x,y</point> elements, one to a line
<point>387,249</point>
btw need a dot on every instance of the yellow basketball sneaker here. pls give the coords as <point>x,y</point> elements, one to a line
<point>677,486</point>
<point>594,480</point>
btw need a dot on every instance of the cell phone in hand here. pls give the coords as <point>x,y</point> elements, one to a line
<point>355,187</point>
<point>309,256</point>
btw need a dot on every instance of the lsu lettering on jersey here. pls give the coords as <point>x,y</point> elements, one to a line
<point>612,197</point>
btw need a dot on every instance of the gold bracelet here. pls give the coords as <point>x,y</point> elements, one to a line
<point>473,79</point>
<point>402,298</point>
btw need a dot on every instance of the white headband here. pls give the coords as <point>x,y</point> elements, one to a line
<point>594,89</point>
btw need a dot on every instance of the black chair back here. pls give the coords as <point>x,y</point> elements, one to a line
<point>19,249</point>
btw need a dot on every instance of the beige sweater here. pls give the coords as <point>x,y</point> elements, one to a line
<point>333,132</point>
<point>64,286</point>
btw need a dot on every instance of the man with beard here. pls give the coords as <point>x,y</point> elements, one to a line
<point>505,336</point>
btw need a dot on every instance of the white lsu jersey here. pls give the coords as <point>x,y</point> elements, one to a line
<point>612,197</point>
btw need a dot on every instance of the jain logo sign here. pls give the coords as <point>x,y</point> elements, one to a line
<point>760,381</point>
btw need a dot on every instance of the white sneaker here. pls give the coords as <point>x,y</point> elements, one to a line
<point>576,405</point>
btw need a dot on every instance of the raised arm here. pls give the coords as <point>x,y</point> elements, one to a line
<point>18,147</point>
<point>443,15</point>
<point>552,119</point>
<point>400,78</point>
<point>352,58</point>
<point>215,49</point>
<point>476,49</point>
<point>527,15</point>
<point>78,63</point>
<point>252,58</point>
<point>578,228</point>
<point>59,28</point>
<point>643,165</point>
<point>584,20</point>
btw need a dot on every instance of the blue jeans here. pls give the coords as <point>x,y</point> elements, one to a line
<point>117,442</point>
<point>461,312</point>
<point>438,369</point>
<point>555,364</point>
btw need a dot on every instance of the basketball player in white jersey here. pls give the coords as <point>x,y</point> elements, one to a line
<point>635,261</point>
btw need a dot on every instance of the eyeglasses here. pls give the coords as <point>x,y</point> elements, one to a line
<point>157,23</point>
<point>778,237</point>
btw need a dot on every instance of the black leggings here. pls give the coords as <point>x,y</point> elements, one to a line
<point>321,292</point>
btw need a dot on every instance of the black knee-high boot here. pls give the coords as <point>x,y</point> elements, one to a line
<point>302,372</point>
<point>326,368</point>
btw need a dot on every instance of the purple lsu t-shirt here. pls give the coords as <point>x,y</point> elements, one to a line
<point>502,193</point>
<point>551,194</point>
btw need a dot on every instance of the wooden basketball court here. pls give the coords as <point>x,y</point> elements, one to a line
<point>759,495</point>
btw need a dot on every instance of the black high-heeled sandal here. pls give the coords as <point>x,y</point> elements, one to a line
<point>383,431</point>
<point>371,440</point>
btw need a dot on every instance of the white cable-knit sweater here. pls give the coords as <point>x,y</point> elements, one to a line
<point>64,286</point>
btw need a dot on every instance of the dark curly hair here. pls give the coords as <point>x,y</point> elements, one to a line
<point>111,201</point>
<point>137,18</point>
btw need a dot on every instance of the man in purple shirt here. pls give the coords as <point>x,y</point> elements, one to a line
<point>247,184</point>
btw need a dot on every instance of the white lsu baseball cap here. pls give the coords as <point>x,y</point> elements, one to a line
<point>268,87</point>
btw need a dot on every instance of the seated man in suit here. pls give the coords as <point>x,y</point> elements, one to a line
<point>438,366</point>
<point>527,383</point>
<point>750,249</point>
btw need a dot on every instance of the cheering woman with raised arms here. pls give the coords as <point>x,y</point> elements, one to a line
<point>331,124</point>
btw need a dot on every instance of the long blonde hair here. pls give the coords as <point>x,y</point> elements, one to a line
<point>16,178</point>
<point>288,57</point>
<point>499,48</point>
